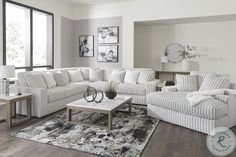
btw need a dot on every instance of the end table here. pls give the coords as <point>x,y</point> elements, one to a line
<point>11,108</point>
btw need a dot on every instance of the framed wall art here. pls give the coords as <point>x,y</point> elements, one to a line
<point>86,45</point>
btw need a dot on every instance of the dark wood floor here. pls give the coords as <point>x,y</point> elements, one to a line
<point>168,140</point>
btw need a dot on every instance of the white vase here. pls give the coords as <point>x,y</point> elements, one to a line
<point>186,65</point>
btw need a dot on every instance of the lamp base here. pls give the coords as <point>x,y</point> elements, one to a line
<point>4,87</point>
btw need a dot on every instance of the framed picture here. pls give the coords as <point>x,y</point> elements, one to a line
<point>108,53</point>
<point>108,35</point>
<point>86,45</point>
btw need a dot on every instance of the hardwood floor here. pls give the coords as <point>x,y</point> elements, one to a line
<point>168,140</point>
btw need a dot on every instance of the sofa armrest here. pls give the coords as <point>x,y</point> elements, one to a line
<point>151,86</point>
<point>232,109</point>
<point>39,100</point>
<point>169,89</point>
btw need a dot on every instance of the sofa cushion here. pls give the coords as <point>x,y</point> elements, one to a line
<point>131,76</point>
<point>64,74</point>
<point>132,89</point>
<point>95,75</point>
<point>212,82</point>
<point>75,75</point>
<point>75,89</point>
<point>60,79</point>
<point>57,93</point>
<point>49,79</point>
<point>85,73</point>
<point>21,79</point>
<point>201,76</point>
<point>146,76</point>
<point>99,85</point>
<point>186,82</point>
<point>177,101</point>
<point>118,76</point>
<point>35,80</point>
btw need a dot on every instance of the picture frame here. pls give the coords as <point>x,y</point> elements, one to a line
<point>108,35</point>
<point>108,53</point>
<point>86,46</point>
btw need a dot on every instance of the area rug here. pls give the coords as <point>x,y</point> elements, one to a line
<point>128,137</point>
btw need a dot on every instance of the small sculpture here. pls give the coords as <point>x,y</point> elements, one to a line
<point>94,93</point>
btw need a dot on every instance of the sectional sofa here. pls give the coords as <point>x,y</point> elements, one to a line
<point>53,89</point>
<point>171,105</point>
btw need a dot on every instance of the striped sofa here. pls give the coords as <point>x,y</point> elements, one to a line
<point>172,106</point>
<point>48,99</point>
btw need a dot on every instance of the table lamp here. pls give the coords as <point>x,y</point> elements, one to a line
<point>6,72</point>
<point>163,60</point>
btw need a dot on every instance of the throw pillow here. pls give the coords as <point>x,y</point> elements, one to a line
<point>49,79</point>
<point>64,74</point>
<point>60,79</point>
<point>118,76</point>
<point>95,75</point>
<point>212,82</point>
<point>75,76</point>
<point>131,76</point>
<point>186,82</point>
<point>146,76</point>
<point>85,73</point>
<point>35,80</point>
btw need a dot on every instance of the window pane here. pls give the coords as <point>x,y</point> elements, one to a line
<point>42,39</point>
<point>17,35</point>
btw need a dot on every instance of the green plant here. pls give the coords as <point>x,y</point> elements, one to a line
<point>111,87</point>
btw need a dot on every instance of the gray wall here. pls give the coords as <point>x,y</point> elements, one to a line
<point>67,42</point>
<point>89,27</point>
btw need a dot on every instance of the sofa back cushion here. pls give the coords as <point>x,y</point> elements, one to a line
<point>60,79</point>
<point>75,75</point>
<point>85,72</point>
<point>35,80</point>
<point>64,73</point>
<point>186,82</point>
<point>212,82</point>
<point>49,79</point>
<point>118,76</point>
<point>146,76</point>
<point>131,76</point>
<point>95,75</point>
<point>21,79</point>
<point>201,76</point>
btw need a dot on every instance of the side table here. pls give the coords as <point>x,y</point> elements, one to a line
<point>11,108</point>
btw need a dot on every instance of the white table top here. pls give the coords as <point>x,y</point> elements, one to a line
<point>14,96</point>
<point>105,105</point>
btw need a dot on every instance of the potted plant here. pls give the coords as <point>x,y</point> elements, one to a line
<point>110,91</point>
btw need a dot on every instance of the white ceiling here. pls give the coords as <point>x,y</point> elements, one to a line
<point>91,2</point>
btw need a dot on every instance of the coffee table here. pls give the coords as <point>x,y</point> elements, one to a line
<point>107,106</point>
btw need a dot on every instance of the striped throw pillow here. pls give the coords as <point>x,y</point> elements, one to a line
<point>186,82</point>
<point>212,82</point>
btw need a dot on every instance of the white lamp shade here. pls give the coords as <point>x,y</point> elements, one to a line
<point>7,71</point>
<point>164,59</point>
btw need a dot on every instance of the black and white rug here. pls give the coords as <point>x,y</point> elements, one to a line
<point>128,138</point>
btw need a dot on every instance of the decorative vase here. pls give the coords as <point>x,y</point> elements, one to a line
<point>186,65</point>
<point>111,95</point>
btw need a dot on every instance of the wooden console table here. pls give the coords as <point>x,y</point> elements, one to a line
<point>11,108</point>
<point>173,73</point>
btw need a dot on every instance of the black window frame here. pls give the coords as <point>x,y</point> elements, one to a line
<point>31,67</point>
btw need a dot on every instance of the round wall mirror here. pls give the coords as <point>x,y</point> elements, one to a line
<point>175,53</point>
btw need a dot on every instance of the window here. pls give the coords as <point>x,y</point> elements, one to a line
<point>28,37</point>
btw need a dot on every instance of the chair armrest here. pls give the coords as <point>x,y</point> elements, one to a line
<point>151,86</point>
<point>39,100</point>
<point>169,89</point>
